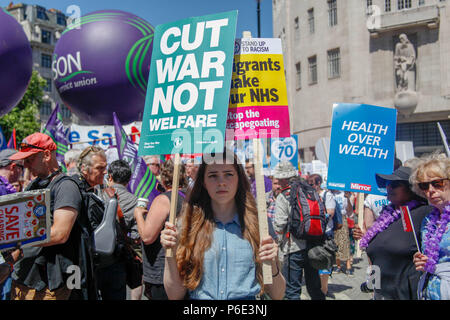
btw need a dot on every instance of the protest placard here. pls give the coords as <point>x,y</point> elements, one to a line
<point>258,97</point>
<point>188,88</point>
<point>362,144</point>
<point>24,219</point>
<point>284,149</point>
<point>258,108</point>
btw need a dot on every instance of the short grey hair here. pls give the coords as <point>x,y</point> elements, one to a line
<point>148,159</point>
<point>72,156</point>
<point>85,158</point>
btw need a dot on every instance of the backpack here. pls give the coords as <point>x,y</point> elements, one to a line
<point>90,217</point>
<point>307,219</point>
<point>337,217</point>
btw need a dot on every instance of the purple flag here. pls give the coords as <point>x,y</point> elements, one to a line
<point>55,129</point>
<point>143,182</point>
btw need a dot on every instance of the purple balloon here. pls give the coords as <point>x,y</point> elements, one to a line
<point>101,65</point>
<point>16,62</point>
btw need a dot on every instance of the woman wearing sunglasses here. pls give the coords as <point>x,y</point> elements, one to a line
<point>389,248</point>
<point>431,179</point>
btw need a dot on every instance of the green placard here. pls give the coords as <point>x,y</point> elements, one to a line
<point>189,86</point>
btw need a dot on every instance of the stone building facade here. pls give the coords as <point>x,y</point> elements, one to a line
<point>345,51</point>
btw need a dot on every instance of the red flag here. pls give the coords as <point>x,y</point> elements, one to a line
<point>12,141</point>
<point>406,219</point>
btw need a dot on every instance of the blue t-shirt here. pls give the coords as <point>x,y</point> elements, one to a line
<point>229,270</point>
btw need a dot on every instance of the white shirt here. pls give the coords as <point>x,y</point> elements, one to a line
<point>375,203</point>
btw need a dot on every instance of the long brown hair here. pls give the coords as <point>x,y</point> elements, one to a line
<point>198,225</point>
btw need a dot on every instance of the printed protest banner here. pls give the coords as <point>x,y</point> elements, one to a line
<point>362,144</point>
<point>258,97</point>
<point>284,149</point>
<point>24,219</point>
<point>189,86</point>
<point>82,137</point>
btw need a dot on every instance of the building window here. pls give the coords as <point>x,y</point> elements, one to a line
<point>403,4</point>
<point>46,60</point>
<point>369,4</point>
<point>424,135</point>
<point>298,78</point>
<point>311,20</point>
<point>297,28</point>
<point>332,12</point>
<point>334,63</point>
<point>65,112</point>
<point>61,19</point>
<point>312,63</point>
<point>46,109</point>
<point>48,87</point>
<point>387,5</point>
<point>46,37</point>
<point>41,13</point>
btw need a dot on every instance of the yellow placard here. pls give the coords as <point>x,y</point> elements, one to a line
<point>258,80</point>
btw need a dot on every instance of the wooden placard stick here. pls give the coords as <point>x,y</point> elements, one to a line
<point>174,196</point>
<point>360,210</point>
<point>261,205</point>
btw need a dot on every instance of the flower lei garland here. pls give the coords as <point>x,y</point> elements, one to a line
<point>9,188</point>
<point>434,235</point>
<point>387,217</point>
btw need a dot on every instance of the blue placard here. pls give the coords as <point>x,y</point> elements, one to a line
<point>362,144</point>
<point>284,149</point>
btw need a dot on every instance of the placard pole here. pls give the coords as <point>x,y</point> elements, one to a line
<point>174,196</point>
<point>360,210</point>
<point>261,205</point>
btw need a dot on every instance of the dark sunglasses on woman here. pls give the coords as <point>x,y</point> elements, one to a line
<point>437,184</point>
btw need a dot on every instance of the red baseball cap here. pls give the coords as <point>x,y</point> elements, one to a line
<point>35,143</point>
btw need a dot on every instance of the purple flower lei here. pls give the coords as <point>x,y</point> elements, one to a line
<point>434,235</point>
<point>9,188</point>
<point>387,217</point>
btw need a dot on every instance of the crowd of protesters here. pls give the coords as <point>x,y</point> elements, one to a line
<point>217,249</point>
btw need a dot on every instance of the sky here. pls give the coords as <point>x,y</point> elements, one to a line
<point>164,11</point>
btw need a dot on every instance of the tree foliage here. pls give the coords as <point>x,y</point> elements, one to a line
<point>25,116</point>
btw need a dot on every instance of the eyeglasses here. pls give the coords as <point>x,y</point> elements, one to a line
<point>437,184</point>
<point>24,145</point>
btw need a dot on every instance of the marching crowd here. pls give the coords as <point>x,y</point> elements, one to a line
<point>217,251</point>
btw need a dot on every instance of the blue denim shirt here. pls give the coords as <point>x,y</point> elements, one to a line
<point>229,270</point>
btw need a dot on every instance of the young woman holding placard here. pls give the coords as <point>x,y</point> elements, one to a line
<point>219,253</point>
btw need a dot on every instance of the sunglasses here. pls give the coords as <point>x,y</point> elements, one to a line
<point>437,184</point>
<point>24,146</point>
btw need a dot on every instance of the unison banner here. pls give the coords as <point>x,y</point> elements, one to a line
<point>362,145</point>
<point>258,98</point>
<point>189,86</point>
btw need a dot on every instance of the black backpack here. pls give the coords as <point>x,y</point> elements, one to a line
<point>307,219</point>
<point>89,218</point>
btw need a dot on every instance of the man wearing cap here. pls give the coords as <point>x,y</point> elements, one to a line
<point>294,250</point>
<point>10,172</point>
<point>43,272</point>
